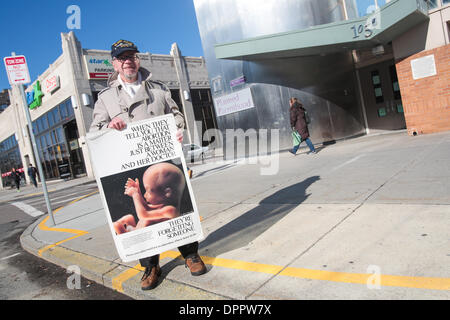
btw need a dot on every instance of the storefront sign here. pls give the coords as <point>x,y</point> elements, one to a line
<point>51,84</point>
<point>34,98</point>
<point>99,66</point>
<point>423,67</point>
<point>234,102</point>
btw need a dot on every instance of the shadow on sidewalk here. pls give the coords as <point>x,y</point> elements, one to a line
<point>250,225</point>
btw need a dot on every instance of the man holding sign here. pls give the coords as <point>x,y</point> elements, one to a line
<point>131,96</point>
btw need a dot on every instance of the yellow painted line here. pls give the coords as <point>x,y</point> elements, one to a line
<point>78,233</point>
<point>117,282</point>
<point>121,278</point>
<point>362,278</point>
<point>357,278</point>
<point>242,265</point>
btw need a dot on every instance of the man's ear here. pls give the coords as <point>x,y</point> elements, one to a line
<point>168,192</point>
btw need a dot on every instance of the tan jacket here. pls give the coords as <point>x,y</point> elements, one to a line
<point>151,100</point>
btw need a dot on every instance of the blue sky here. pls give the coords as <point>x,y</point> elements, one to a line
<point>33,28</point>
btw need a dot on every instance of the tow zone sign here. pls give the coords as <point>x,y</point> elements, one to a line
<point>17,69</point>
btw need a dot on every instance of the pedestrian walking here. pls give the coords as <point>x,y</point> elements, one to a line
<point>32,172</point>
<point>16,177</point>
<point>131,96</point>
<point>299,124</point>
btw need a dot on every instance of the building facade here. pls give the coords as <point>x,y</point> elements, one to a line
<point>61,102</point>
<point>358,66</point>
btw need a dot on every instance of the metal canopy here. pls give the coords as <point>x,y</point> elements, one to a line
<point>392,20</point>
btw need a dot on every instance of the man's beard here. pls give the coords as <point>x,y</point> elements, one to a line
<point>131,77</point>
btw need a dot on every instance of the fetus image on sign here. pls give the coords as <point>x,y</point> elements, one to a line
<point>164,184</point>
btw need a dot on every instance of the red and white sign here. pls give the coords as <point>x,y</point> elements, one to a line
<point>51,83</point>
<point>17,69</point>
<point>99,66</point>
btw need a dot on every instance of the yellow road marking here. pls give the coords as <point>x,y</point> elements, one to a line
<point>361,278</point>
<point>358,278</point>
<point>78,233</point>
<point>121,278</point>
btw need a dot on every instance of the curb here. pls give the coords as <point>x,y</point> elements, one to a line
<point>105,272</point>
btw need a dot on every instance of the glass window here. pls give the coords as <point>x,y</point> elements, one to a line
<point>432,4</point>
<point>445,1</point>
<point>63,110</point>
<point>38,144</point>
<point>35,129</point>
<point>395,84</point>
<point>56,116</point>
<point>53,136</point>
<point>39,125</point>
<point>43,142</point>
<point>69,107</point>
<point>51,119</point>
<point>59,134</point>
<point>376,82</point>
<point>44,122</point>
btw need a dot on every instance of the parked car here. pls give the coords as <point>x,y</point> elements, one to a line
<point>193,152</point>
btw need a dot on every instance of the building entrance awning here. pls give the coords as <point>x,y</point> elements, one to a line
<point>381,27</point>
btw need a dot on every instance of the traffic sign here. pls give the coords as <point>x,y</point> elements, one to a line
<point>17,69</point>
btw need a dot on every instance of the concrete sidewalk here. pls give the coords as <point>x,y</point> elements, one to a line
<point>365,218</point>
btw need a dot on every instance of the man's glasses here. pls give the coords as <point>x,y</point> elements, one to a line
<point>125,58</point>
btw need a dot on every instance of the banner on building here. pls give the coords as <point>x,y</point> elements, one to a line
<point>234,102</point>
<point>143,182</point>
<point>99,66</point>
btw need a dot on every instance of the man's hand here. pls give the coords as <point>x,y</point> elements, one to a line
<point>179,135</point>
<point>117,124</point>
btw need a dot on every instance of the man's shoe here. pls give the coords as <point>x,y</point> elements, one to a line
<point>150,278</point>
<point>292,152</point>
<point>195,264</point>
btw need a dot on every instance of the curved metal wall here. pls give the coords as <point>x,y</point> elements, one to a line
<point>326,84</point>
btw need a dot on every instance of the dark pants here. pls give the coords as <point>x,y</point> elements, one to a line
<point>186,250</point>
<point>33,179</point>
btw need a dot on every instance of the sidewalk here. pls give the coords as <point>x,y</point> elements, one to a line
<point>365,218</point>
<point>8,194</point>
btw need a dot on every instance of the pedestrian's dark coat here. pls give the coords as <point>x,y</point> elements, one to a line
<point>16,175</point>
<point>298,120</point>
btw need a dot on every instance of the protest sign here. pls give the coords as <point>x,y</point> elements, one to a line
<point>143,182</point>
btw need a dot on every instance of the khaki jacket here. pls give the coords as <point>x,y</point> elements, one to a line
<point>152,99</point>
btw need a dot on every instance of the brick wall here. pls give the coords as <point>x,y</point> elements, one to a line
<point>426,101</point>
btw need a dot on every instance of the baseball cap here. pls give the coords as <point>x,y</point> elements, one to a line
<point>121,46</point>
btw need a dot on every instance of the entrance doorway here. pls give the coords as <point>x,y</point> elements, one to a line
<point>203,111</point>
<point>76,161</point>
<point>382,98</point>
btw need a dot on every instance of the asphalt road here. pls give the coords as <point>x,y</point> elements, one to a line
<point>24,276</point>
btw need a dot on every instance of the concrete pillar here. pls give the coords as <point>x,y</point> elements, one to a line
<point>192,130</point>
<point>73,56</point>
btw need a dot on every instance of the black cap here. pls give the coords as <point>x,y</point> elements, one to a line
<point>121,46</point>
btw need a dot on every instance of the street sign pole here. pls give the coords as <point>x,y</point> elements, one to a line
<point>35,150</point>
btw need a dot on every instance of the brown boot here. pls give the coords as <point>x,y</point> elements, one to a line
<point>150,278</point>
<point>195,264</point>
